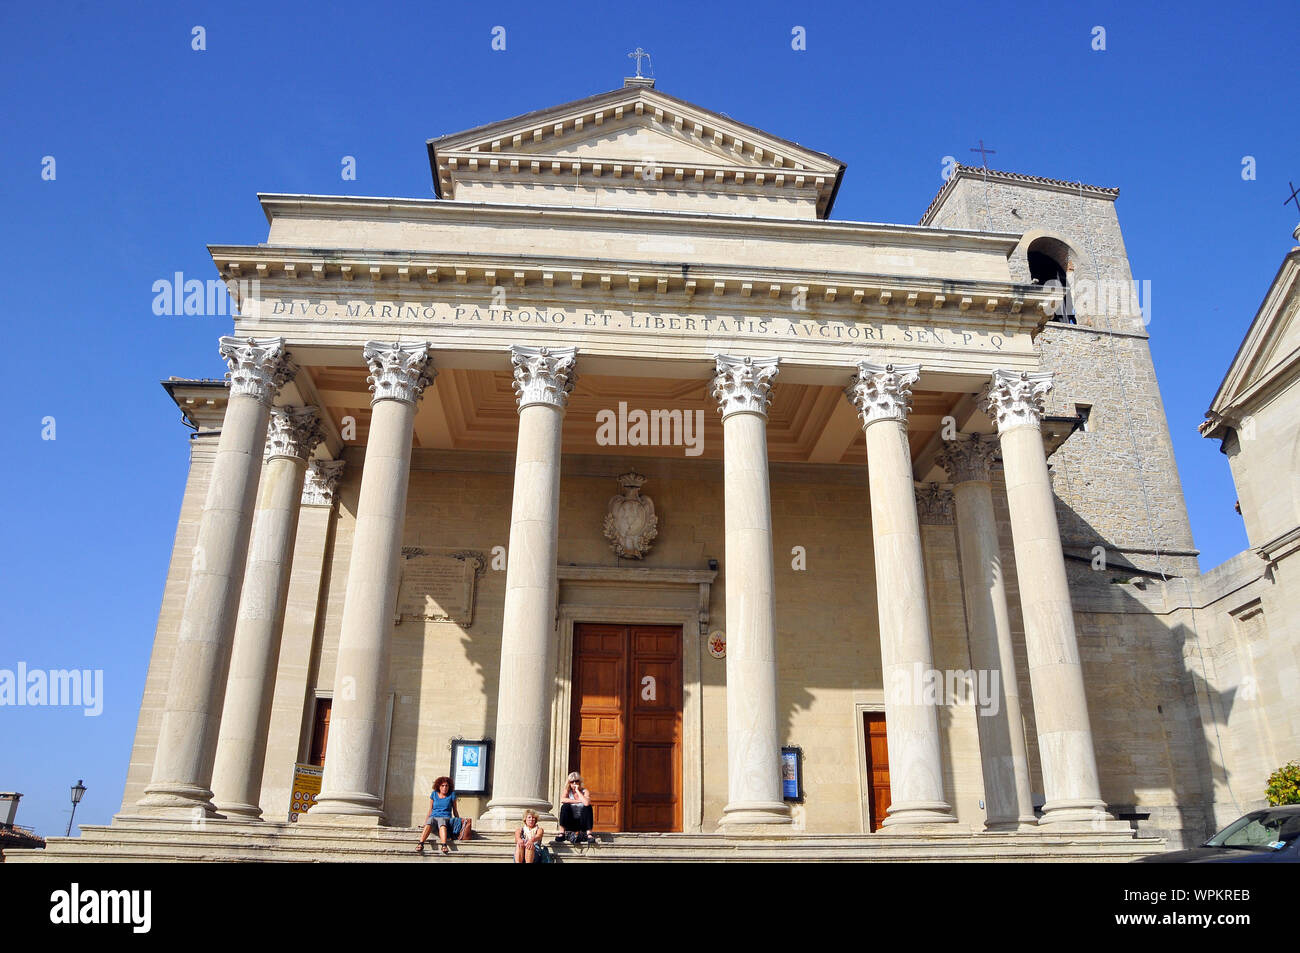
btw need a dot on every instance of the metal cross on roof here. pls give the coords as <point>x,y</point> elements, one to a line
<point>1295,197</point>
<point>638,54</point>
<point>984,154</point>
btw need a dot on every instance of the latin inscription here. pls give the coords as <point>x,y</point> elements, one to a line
<point>794,327</point>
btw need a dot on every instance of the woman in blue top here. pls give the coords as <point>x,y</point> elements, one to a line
<point>442,811</point>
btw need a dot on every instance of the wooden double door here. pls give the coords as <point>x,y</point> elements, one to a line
<point>626,724</point>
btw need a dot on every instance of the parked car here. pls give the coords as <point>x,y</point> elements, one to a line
<point>1267,836</point>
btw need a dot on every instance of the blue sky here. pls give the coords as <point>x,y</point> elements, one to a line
<point>160,149</point>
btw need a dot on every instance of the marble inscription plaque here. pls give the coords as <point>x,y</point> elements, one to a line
<point>438,585</point>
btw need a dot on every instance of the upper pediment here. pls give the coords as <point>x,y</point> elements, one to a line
<point>635,147</point>
<point>1269,356</point>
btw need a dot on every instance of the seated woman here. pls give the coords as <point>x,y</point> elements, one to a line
<point>575,811</point>
<point>527,838</point>
<point>442,812</point>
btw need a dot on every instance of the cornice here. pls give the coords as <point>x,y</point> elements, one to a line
<point>1013,178</point>
<point>293,268</point>
<point>202,402</point>
<point>343,208</point>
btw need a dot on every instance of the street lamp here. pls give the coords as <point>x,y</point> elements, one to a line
<point>78,792</point>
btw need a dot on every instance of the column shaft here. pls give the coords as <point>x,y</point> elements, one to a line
<point>1007,797</point>
<point>543,379</point>
<point>355,760</point>
<point>753,733</point>
<point>246,716</point>
<point>1065,747</point>
<point>187,738</point>
<point>883,395</point>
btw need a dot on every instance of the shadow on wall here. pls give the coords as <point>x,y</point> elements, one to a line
<point>1149,708</point>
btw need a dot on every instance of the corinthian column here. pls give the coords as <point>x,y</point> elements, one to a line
<point>883,397</point>
<point>187,738</point>
<point>246,717</point>
<point>1065,748</point>
<point>543,379</point>
<point>742,387</point>
<point>355,760</point>
<point>1008,802</point>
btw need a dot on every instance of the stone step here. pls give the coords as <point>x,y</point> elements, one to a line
<point>155,841</point>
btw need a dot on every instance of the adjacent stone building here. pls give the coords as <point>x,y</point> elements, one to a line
<point>624,456</point>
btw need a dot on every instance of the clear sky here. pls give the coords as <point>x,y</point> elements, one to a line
<point>160,149</point>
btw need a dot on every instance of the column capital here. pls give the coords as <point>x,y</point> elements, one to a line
<point>293,432</point>
<point>259,367</point>
<point>320,488</point>
<point>1016,399</point>
<point>744,384</point>
<point>882,391</point>
<point>543,375</point>
<point>934,505</point>
<point>398,371</point>
<point>968,457</point>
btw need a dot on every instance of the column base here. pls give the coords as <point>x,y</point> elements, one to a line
<point>506,814</point>
<point>1011,825</point>
<point>909,816</point>
<point>1079,816</point>
<point>240,812</point>
<point>179,801</point>
<point>740,817</point>
<point>347,804</point>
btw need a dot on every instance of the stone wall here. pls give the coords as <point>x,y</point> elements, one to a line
<point>1116,482</point>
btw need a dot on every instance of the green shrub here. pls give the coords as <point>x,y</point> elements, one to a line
<point>1284,784</point>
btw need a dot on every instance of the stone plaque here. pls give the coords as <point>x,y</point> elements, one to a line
<point>438,585</point>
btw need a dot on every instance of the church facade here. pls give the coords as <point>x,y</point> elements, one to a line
<point>625,457</point>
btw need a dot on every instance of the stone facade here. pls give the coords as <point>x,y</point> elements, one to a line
<point>674,259</point>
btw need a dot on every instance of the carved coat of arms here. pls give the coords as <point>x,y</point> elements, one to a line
<point>631,524</point>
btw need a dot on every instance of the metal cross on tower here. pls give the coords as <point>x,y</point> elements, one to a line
<point>984,160</point>
<point>984,154</point>
<point>1295,197</point>
<point>638,54</point>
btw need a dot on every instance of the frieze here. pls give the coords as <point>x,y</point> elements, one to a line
<point>795,327</point>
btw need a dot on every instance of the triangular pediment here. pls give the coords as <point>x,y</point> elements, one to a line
<point>1269,356</point>
<point>635,140</point>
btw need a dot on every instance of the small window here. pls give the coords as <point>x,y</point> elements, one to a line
<point>1084,413</point>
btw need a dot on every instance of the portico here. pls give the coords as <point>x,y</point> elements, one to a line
<point>835,367</point>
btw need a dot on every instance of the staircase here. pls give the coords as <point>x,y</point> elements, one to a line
<point>155,840</point>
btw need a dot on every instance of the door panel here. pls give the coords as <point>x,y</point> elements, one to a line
<point>627,724</point>
<point>877,767</point>
<point>654,756</point>
<point>600,677</point>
